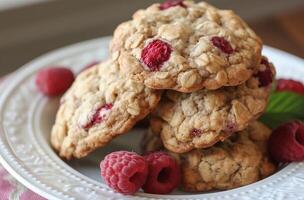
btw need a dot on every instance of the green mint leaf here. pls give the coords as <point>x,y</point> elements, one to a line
<point>283,107</point>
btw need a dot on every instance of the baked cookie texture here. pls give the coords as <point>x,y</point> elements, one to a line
<point>239,161</point>
<point>101,104</point>
<point>187,47</point>
<point>201,119</point>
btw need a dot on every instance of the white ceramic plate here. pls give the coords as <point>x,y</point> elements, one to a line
<point>26,119</point>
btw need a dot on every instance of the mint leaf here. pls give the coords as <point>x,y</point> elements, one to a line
<point>283,107</point>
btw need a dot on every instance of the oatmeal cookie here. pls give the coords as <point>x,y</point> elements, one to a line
<point>187,46</point>
<point>201,119</point>
<point>239,161</point>
<point>100,105</point>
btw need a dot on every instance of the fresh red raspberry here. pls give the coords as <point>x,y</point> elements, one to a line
<point>54,81</point>
<point>266,76</point>
<point>286,143</point>
<point>196,132</point>
<point>164,173</point>
<point>222,44</point>
<point>172,3</point>
<point>123,171</point>
<point>92,64</point>
<point>290,85</point>
<point>155,54</point>
<point>99,115</point>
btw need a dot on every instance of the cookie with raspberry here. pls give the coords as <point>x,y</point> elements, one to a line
<point>101,104</point>
<point>202,118</point>
<point>240,160</point>
<point>187,46</point>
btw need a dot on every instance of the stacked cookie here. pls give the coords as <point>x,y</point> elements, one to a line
<point>240,160</point>
<point>199,71</point>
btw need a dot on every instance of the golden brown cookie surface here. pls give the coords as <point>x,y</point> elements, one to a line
<point>239,161</point>
<point>186,48</point>
<point>101,104</point>
<point>201,119</point>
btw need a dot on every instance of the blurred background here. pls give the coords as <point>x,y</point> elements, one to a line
<point>30,28</point>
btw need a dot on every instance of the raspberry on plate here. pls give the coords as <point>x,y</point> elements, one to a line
<point>54,81</point>
<point>123,171</point>
<point>286,143</point>
<point>290,85</point>
<point>164,173</point>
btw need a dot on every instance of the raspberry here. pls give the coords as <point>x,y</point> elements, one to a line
<point>164,173</point>
<point>286,144</point>
<point>196,132</point>
<point>155,54</point>
<point>99,115</point>
<point>230,127</point>
<point>290,85</point>
<point>123,171</point>
<point>54,81</point>
<point>172,3</point>
<point>266,76</point>
<point>92,64</point>
<point>222,44</point>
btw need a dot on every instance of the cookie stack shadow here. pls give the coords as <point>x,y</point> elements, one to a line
<point>198,73</point>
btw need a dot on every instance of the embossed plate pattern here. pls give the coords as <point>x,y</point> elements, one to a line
<point>26,118</point>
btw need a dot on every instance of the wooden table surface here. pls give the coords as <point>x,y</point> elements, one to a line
<point>284,31</point>
<point>30,32</point>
